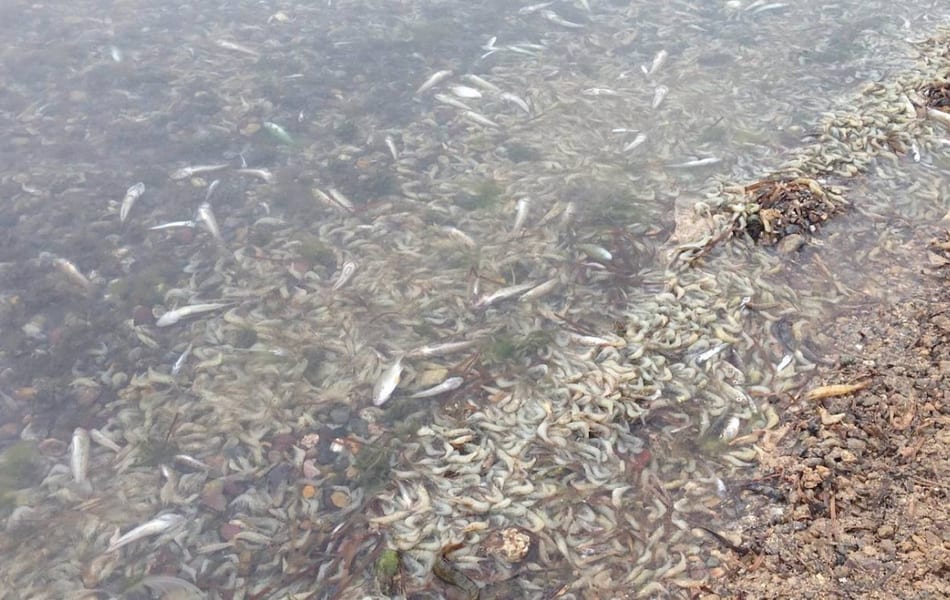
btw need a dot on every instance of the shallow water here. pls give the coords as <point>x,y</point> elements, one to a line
<point>603,415</point>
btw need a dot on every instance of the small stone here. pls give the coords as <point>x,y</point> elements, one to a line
<point>339,498</point>
<point>212,496</point>
<point>885,531</point>
<point>791,243</point>
<point>229,530</point>
<point>339,415</point>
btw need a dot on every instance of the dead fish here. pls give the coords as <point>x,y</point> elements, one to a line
<point>441,349</point>
<point>156,526</point>
<point>227,45</point>
<point>391,146</point>
<point>699,162</point>
<point>433,81</point>
<point>658,61</point>
<point>72,272</point>
<point>103,440</point>
<point>503,294</point>
<point>463,91</point>
<point>262,174</point>
<point>182,359</point>
<point>173,316</point>
<point>338,201</point>
<point>482,83</point>
<point>475,117</point>
<point>516,100</point>
<point>206,218</point>
<point>596,252</point>
<point>637,141</point>
<point>521,214</point>
<point>131,195</point>
<point>79,455</point>
<point>186,172</point>
<point>557,19</point>
<point>599,91</point>
<point>533,8</point>
<point>658,95</point>
<point>172,225</point>
<point>387,382</point>
<point>450,101</point>
<point>349,267</point>
<point>452,383</point>
<point>540,290</point>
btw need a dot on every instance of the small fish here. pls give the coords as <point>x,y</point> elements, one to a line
<point>262,174</point>
<point>482,83</point>
<point>173,225</point>
<point>104,440</point>
<point>173,316</point>
<point>599,91</point>
<point>711,353</point>
<point>387,382</point>
<point>441,349</point>
<point>72,272</point>
<point>212,187</point>
<point>463,91</point>
<point>450,101</point>
<point>452,383</point>
<point>658,95</point>
<point>479,118</point>
<point>658,61</point>
<point>186,172</point>
<point>540,290</point>
<point>557,19</point>
<point>156,526</point>
<point>332,202</point>
<point>503,294</point>
<point>340,199</point>
<point>180,362</point>
<point>279,133</point>
<point>731,430</point>
<point>637,141</point>
<point>516,100</point>
<point>206,218</point>
<point>227,45</point>
<point>699,162</point>
<point>391,146</point>
<point>79,455</point>
<point>458,234</point>
<point>116,53</point>
<point>596,252</point>
<point>521,214</point>
<point>433,80</point>
<point>131,195</point>
<point>533,8</point>
<point>349,267</point>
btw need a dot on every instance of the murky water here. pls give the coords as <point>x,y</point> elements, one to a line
<point>419,320</point>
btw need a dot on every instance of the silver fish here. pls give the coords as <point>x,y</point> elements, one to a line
<point>206,218</point>
<point>391,146</point>
<point>338,201</point>
<point>521,214</point>
<point>557,19</point>
<point>79,455</point>
<point>475,117</point>
<point>186,172</point>
<point>262,174</point>
<point>131,195</point>
<point>441,349</point>
<point>463,91</point>
<point>172,225</point>
<point>658,95</point>
<point>637,141</point>
<point>387,382</point>
<point>540,290</point>
<point>503,294</point>
<point>485,85</point>
<point>349,267</point>
<point>104,440</point>
<point>533,8</point>
<point>156,526</point>
<point>450,101</point>
<point>516,100</point>
<point>452,383</point>
<point>699,162</point>
<point>658,61</point>
<point>227,45</point>
<point>180,362</point>
<point>173,316</point>
<point>433,81</point>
